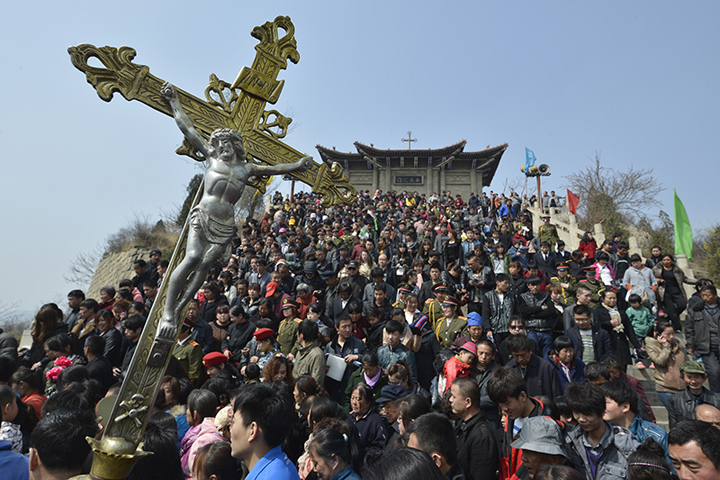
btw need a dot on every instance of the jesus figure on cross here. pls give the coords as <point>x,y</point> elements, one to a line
<point>212,221</point>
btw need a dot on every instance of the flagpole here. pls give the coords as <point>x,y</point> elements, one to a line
<point>540,199</point>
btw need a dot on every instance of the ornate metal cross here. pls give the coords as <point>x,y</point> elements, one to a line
<point>239,106</point>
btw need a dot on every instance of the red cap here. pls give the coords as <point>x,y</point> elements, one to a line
<point>470,347</point>
<point>270,289</point>
<point>263,333</point>
<point>214,358</point>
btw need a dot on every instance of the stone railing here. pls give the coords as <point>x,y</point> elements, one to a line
<point>567,227</point>
<point>570,233</point>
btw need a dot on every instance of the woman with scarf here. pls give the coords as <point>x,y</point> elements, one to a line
<point>371,375</point>
<point>671,294</point>
<point>616,322</point>
<point>369,424</point>
<point>568,367</point>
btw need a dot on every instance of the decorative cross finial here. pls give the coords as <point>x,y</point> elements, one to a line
<point>409,140</point>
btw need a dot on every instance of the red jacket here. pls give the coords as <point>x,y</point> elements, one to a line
<point>356,251</point>
<point>453,369</point>
<point>588,248</point>
<point>35,400</point>
<point>303,309</point>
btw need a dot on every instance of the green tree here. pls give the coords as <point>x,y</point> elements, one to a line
<point>660,233</point>
<point>712,253</point>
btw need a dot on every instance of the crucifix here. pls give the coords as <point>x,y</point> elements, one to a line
<point>409,140</point>
<point>241,144</point>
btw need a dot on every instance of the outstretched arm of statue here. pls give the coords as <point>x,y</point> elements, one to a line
<point>182,120</point>
<point>302,164</point>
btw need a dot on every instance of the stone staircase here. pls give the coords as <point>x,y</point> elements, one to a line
<point>645,376</point>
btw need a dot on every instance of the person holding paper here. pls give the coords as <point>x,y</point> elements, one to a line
<point>346,347</point>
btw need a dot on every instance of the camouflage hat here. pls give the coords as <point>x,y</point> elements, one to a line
<point>691,366</point>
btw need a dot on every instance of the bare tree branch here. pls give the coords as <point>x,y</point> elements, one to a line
<point>607,194</point>
<point>82,270</point>
<point>6,310</point>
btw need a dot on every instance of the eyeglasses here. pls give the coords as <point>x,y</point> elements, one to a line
<point>515,327</point>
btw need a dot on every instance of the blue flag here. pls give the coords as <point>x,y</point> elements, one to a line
<point>529,158</point>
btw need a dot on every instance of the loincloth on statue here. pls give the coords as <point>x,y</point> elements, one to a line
<point>213,230</point>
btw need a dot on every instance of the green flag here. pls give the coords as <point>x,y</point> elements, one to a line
<point>683,231</point>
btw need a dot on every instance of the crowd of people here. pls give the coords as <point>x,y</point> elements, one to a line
<point>400,337</point>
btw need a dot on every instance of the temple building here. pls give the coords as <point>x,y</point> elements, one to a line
<point>424,171</point>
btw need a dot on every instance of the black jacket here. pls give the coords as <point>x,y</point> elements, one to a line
<point>202,333</point>
<point>455,473</point>
<point>425,292</point>
<point>317,283</point>
<point>546,265</point>
<point>8,345</point>
<point>492,308</point>
<point>236,339</point>
<point>128,357</point>
<point>682,405</point>
<point>425,358</point>
<point>208,309</point>
<point>36,353</point>
<point>113,346</point>
<point>537,318</point>
<point>540,377</point>
<point>504,355</point>
<point>601,342</point>
<point>488,408</point>
<point>357,283</point>
<point>374,335</point>
<point>150,277</point>
<point>477,447</point>
<point>371,428</point>
<point>335,307</point>
<point>100,369</point>
<point>619,341</point>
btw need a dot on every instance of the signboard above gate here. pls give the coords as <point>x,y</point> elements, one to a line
<point>409,180</point>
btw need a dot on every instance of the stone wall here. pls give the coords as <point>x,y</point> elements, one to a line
<point>115,267</point>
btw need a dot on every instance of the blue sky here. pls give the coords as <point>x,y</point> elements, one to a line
<point>634,80</point>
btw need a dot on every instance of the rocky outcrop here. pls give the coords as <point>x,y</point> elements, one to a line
<point>114,267</point>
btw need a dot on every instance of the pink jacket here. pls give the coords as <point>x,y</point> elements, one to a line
<point>196,438</point>
<point>137,296</point>
<point>598,268</point>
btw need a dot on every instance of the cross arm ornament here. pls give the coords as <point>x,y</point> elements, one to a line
<point>239,106</point>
